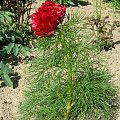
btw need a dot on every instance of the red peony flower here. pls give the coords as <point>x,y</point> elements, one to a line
<point>47,17</point>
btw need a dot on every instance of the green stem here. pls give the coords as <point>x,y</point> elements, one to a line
<point>98,9</point>
<point>98,15</point>
<point>69,78</point>
<point>69,92</point>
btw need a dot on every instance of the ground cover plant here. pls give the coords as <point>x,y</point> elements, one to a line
<point>67,80</point>
<point>15,33</point>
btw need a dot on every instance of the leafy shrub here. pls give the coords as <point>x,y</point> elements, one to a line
<point>11,38</point>
<point>20,8</point>
<point>15,32</point>
<point>67,80</point>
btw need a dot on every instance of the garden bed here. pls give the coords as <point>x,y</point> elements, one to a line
<point>10,98</point>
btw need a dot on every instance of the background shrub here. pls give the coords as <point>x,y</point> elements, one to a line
<point>15,30</point>
<point>20,8</point>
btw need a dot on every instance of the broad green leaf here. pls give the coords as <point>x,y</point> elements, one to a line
<point>1,64</point>
<point>1,19</point>
<point>7,18</point>
<point>70,2</point>
<point>13,38</point>
<point>16,49</point>
<point>60,1</point>
<point>1,38</point>
<point>28,49</point>
<point>5,69</point>
<point>7,80</point>
<point>11,27</point>
<point>9,48</point>
<point>10,13</point>
<point>23,50</point>
<point>1,73</point>
<point>3,31</point>
<point>19,38</point>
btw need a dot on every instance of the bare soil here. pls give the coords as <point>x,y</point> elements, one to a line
<point>10,98</point>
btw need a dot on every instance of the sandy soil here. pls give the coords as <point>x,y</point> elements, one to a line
<point>113,60</point>
<point>10,98</point>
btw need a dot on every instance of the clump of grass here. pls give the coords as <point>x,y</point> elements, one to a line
<point>67,80</point>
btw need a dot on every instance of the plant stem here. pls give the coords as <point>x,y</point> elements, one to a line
<point>69,77</point>
<point>69,92</point>
<point>98,9</point>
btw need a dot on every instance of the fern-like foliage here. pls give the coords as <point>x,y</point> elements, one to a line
<point>66,79</point>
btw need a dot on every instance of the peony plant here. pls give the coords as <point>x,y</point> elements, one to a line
<point>67,80</point>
